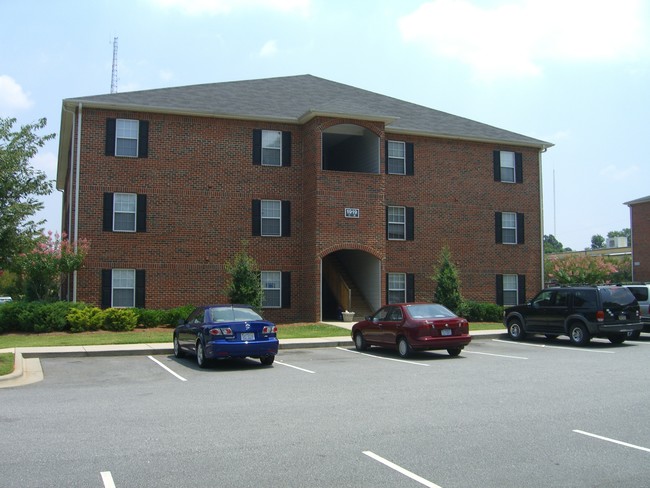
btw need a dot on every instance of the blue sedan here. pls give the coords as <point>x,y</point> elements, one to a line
<point>226,331</point>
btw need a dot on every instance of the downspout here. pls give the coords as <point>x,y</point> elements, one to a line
<point>69,226</point>
<point>541,214</point>
<point>76,203</point>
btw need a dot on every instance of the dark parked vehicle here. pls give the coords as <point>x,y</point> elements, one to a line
<point>410,327</point>
<point>226,331</point>
<point>642,293</point>
<point>580,312</point>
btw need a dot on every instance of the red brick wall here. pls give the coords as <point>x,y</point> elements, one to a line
<point>200,181</point>
<point>640,217</point>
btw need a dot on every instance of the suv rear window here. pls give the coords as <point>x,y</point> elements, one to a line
<point>639,292</point>
<point>616,297</point>
<point>585,299</point>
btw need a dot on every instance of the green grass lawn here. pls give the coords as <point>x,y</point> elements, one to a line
<point>6,363</point>
<point>145,336</point>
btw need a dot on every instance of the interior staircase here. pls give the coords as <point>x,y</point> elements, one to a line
<point>347,293</point>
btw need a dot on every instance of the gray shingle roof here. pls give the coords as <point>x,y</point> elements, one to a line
<point>295,99</point>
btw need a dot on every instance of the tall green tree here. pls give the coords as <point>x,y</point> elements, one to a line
<point>20,184</point>
<point>447,283</point>
<point>597,241</point>
<point>245,285</point>
<point>552,245</point>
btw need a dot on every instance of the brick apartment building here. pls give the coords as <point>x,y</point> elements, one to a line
<point>640,226</point>
<point>344,197</point>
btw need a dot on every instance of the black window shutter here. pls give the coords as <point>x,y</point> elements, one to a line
<point>521,283</point>
<point>139,288</point>
<point>108,212</point>
<point>110,137</point>
<point>286,218</point>
<point>257,146</point>
<point>387,224</point>
<point>141,224</point>
<point>286,148</point>
<point>286,289</point>
<point>519,168</point>
<point>410,287</point>
<point>496,159</point>
<point>410,169</point>
<point>387,290</point>
<point>520,228</point>
<point>410,231</point>
<point>498,230</point>
<point>499,290</point>
<point>143,142</point>
<point>257,217</point>
<point>107,285</point>
<point>386,153</point>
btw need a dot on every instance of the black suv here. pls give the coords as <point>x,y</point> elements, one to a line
<point>581,312</point>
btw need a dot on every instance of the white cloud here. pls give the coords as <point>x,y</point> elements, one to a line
<point>12,96</point>
<point>269,49</point>
<point>515,37</point>
<point>614,173</point>
<point>219,7</point>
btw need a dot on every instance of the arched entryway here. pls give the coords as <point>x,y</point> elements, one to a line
<point>350,280</point>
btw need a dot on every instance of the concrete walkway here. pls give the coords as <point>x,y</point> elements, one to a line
<point>27,366</point>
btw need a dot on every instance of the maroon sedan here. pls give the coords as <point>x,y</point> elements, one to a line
<point>410,327</point>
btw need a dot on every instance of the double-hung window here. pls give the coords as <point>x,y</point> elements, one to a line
<point>271,289</point>
<point>124,212</point>
<point>126,137</point>
<point>510,290</point>
<point>271,148</point>
<point>397,223</point>
<point>508,167</point>
<point>509,228</point>
<point>123,288</point>
<point>396,287</point>
<point>271,214</point>
<point>396,158</point>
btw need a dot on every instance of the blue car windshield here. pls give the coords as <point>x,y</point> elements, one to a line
<point>429,311</point>
<point>233,314</point>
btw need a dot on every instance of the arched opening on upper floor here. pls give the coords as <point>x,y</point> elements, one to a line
<point>350,147</point>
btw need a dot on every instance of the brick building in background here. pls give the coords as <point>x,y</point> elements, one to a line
<point>344,197</point>
<point>640,226</point>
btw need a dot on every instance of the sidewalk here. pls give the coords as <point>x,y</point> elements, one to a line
<point>27,366</point>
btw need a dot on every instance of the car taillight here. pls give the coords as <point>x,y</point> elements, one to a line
<point>226,331</point>
<point>600,316</point>
<point>270,329</point>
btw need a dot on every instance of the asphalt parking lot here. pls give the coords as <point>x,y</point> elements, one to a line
<point>503,414</point>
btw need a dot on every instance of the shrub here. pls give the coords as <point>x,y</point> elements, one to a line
<point>482,312</point>
<point>119,319</point>
<point>149,317</point>
<point>84,319</point>
<point>173,315</point>
<point>51,317</point>
<point>9,316</point>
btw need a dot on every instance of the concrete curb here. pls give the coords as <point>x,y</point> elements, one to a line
<point>27,366</point>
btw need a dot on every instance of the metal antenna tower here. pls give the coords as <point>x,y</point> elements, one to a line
<point>114,74</point>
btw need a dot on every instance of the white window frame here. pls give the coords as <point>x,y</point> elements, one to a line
<point>396,157</point>
<point>509,223</point>
<point>393,221</point>
<point>271,285</point>
<point>119,209</point>
<point>507,164</point>
<point>272,214</point>
<point>127,130</point>
<point>397,284</point>
<point>122,279</point>
<point>271,144</point>
<point>510,289</point>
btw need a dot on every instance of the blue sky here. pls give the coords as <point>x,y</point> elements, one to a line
<point>572,72</point>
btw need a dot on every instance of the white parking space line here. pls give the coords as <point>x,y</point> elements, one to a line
<point>166,368</point>
<point>107,479</point>
<point>401,470</point>
<point>490,354</point>
<point>380,357</point>
<point>294,367</point>
<point>614,441</point>
<point>554,347</point>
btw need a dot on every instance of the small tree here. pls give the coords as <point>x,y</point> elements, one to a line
<point>245,286</point>
<point>587,269</point>
<point>447,283</point>
<point>43,265</point>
